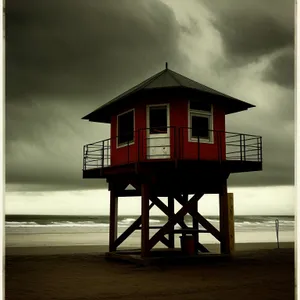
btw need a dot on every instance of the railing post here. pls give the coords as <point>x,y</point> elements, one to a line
<point>260,148</point>
<point>142,147</point>
<point>198,147</point>
<point>244,138</point>
<point>138,144</point>
<point>257,141</point>
<point>182,139</point>
<point>174,143</point>
<point>128,150</point>
<point>102,163</point>
<point>218,144</point>
<point>84,159</point>
<point>179,143</point>
<point>241,148</point>
<point>107,152</point>
<point>220,141</point>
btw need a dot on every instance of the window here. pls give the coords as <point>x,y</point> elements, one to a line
<point>200,126</point>
<point>125,128</point>
<point>198,105</point>
<point>200,121</point>
<point>158,119</point>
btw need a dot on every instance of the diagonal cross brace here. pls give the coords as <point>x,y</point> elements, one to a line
<point>175,219</point>
<point>202,221</point>
<point>183,225</point>
<point>160,205</point>
<point>164,208</point>
<point>134,226</point>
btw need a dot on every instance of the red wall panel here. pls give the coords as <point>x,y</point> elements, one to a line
<point>178,132</point>
<point>205,151</point>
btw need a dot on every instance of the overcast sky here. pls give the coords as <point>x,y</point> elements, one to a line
<point>247,201</point>
<point>64,58</point>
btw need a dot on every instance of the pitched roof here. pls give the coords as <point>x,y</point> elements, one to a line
<point>168,79</point>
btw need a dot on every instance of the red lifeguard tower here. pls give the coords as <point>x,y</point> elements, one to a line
<point>168,139</point>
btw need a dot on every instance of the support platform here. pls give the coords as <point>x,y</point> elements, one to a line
<point>166,233</point>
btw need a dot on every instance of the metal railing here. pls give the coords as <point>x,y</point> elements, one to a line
<point>173,143</point>
<point>156,144</point>
<point>97,155</point>
<point>244,147</point>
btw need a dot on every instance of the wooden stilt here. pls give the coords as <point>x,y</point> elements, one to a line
<point>196,227</point>
<point>113,222</point>
<point>231,222</point>
<point>224,219</point>
<point>145,250</point>
<point>170,216</point>
<point>185,198</point>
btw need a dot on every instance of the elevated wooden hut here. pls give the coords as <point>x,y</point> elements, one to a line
<point>168,139</point>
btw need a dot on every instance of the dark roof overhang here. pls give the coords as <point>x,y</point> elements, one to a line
<point>166,83</point>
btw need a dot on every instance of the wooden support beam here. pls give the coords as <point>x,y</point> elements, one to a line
<point>184,199</point>
<point>171,215</point>
<point>164,208</point>
<point>116,185</point>
<point>195,226</point>
<point>231,223</point>
<point>177,217</point>
<point>203,222</point>
<point>223,207</point>
<point>201,248</point>
<point>225,215</point>
<point>145,249</point>
<point>137,193</point>
<point>134,226</point>
<point>136,185</point>
<point>129,193</point>
<point>113,221</point>
<point>166,242</point>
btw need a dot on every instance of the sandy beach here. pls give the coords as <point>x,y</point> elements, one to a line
<point>258,271</point>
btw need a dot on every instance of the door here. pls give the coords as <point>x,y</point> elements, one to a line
<point>158,137</point>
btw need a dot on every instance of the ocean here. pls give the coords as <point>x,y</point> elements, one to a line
<point>58,230</point>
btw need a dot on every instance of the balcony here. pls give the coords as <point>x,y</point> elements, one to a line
<point>173,148</point>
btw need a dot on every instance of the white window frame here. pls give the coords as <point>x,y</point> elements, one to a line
<point>148,107</point>
<point>117,128</point>
<point>203,114</point>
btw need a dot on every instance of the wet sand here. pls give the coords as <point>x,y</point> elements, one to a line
<point>258,271</point>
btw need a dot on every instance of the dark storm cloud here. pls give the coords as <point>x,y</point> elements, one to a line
<point>192,27</point>
<point>253,29</point>
<point>250,29</point>
<point>278,158</point>
<point>248,37</point>
<point>64,59</point>
<point>70,47</point>
<point>281,69</point>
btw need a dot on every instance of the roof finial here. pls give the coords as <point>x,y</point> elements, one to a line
<point>166,65</point>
